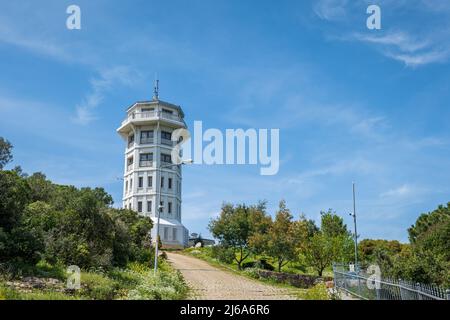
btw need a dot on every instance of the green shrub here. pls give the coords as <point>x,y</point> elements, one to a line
<point>252,272</point>
<point>97,286</point>
<point>318,292</point>
<point>166,285</point>
<point>223,254</point>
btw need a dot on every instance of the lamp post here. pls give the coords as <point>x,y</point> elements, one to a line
<point>160,207</point>
<point>353,214</point>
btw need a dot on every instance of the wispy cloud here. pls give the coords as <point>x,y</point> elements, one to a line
<point>104,83</point>
<point>411,50</point>
<point>402,191</point>
<point>330,9</point>
<point>413,45</point>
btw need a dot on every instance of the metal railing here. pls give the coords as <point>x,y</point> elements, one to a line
<point>146,141</point>
<point>166,142</point>
<point>366,286</point>
<point>152,114</point>
<point>145,163</point>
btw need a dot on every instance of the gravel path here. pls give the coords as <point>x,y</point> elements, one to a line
<point>211,283</point>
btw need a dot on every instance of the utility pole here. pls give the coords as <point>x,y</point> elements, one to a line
<point>356,232</point>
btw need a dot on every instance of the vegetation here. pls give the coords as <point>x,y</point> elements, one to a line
<point>45,227</point>
<point>248,231</point>
<point>248,235</point>
<point>426,259</point>
<point>236,225</point>
<point>136,281</point>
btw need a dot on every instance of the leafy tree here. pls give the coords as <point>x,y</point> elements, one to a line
<point>333,242</point>
<point>235,225</point>
<point>332,225</point>
<point>309,226</point>
<point>5,152</point>
<point>14,196</point>
<point>320,252</point>
<point>427,221</point>
<point>41,188</point>
<point>281,239</point>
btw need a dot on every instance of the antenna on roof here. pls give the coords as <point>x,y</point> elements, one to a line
<point>156,88</point>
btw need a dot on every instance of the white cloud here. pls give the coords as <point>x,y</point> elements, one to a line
<point>411,50</point>
<point>330,9</point>
<point>402,191</point>
<point>107,80</point>
<point>412,44</point>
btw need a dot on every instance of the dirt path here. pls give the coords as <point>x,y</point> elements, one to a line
<point>211,283</point>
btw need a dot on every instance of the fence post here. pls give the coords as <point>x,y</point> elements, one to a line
<point>448,294</point>
<point>419,289</point>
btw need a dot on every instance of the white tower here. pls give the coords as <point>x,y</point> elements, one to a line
<point>149,172</point>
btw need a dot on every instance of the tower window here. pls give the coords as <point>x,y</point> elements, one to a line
<point>150,181</point>
<point>162,182</point>
<point>169,207</point>
<point>139,206</point>
<point>145,159</point>
<point>149,206</point>
<point>166,135</point>
<point>141,182</point>
<point>170,183</point>
<point>129,163</point>
<point>130,140</point>
<point>146,137</point>
<point>166,158</point>
<point>166,138</point>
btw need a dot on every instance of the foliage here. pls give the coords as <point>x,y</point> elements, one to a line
<point>166,285</point>
<point>65,225</point>
<point>236,225</point>
<point>318,292</point>
<point>223,254</point>
<point>260,264</point>
<point>333,242</point>
<point>5,152</point>
<point>281,239</point>
<point>426,259</point>
<point>98,286</point>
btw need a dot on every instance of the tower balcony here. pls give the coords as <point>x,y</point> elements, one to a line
<point>150,117</point>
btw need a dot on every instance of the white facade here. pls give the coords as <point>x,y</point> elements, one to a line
<point>147,132</point>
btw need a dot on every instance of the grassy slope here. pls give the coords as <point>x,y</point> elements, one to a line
<point>134,282</point>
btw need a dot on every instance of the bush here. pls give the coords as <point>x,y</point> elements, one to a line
<point>260,264</point>
<point>296,280</point>
<point>252,272</point>
<point>223,254</point>
<point>318,292</point>
<point>166,285</point>
<point>97,286</point>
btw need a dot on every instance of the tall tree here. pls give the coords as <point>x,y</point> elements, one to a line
<point>235,226</point>
<point>332,225</point>
<point>5,152</point>
<point>282,237</point>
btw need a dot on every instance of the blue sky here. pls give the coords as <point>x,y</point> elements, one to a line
<point>351,104</point>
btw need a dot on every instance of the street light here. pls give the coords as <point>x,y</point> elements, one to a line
<point>160,207</point>
<point>353,214</point>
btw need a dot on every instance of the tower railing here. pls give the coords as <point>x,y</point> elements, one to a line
<point>152,114</point>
